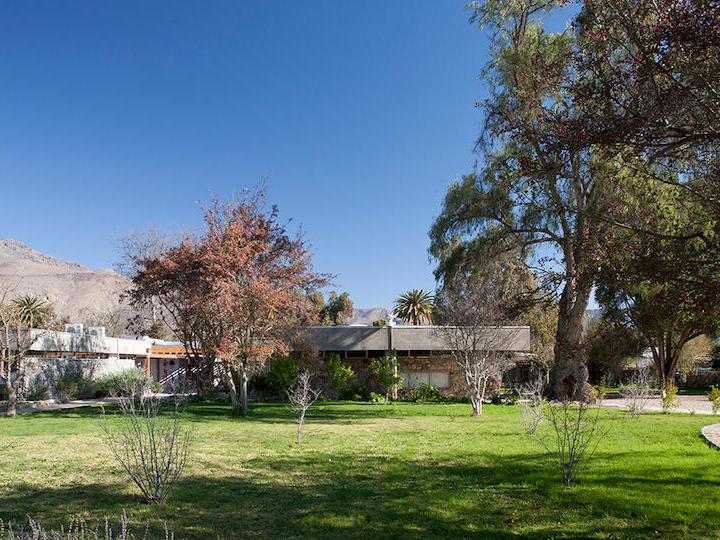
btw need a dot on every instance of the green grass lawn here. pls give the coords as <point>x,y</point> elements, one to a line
<point>365,471</point>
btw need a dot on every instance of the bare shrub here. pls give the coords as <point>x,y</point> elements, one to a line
<point>533,404</point>
<point>152,448</point>
<point>575,437</point>
<point>77,529</point>
<point>301,396</point>
<point>637,391</point>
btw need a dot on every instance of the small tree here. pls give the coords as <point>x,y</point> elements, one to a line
<point>17,336</point>
<point>153,450</point>
<point>575,437</point>
<point>340,373</point>
<point>301,396</point>
<point>637,391</point>
<point>385,372</point>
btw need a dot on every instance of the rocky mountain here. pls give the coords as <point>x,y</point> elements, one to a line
<point>76,291</point>
<point>80,294</point>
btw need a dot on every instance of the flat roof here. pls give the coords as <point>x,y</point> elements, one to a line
<point>405,338</point>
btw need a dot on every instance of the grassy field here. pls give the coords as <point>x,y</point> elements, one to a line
<point>403,470</point>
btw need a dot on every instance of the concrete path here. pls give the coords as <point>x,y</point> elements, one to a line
<point>687,404</point>
<point>40,406</point>
<point>712,435</point>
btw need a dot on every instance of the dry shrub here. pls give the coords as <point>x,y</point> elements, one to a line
<point>637,391</point>
<point>532,404</point>
<point>152,448</point>
<point>575,437</point>
<point>77,529</point>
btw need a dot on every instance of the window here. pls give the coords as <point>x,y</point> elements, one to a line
<point>415,379</point>
<point>440,379</point>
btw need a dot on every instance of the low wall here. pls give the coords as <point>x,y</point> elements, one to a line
<point>47,371</point>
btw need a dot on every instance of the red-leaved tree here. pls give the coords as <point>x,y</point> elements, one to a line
<point>238,292</point>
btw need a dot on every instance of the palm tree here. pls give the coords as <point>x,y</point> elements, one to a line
<point>32,311</point>
<point>415,306</point>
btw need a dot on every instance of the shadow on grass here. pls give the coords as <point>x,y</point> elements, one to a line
<point>320,495</point>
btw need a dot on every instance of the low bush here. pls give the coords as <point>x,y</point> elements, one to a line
<point>74,385</point>
<point>37,392</point>
<point>122,382</point>
<point>340,374</point>
<point>714,397</point>
<point>355,393</point>
<point>425,392</point>
<point>377,399</point>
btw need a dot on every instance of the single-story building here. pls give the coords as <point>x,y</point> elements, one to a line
<point>423,355</point>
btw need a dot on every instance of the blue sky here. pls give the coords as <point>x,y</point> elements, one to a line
<point>116,116</point>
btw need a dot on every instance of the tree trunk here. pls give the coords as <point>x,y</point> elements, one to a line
<point>12,398</point>
<point>477,406</point>
<point>301,425</point>
<point>569,375</point>
<point>666,357</point>
<point>240,399</point>
<point>395,374</point>
<point>232,389</point>
<point>243,392</point>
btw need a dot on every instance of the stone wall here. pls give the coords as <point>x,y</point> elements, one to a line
<point>46,371</point>
<point>361,367</point>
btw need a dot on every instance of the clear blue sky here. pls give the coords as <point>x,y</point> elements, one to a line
<point>116,116</point>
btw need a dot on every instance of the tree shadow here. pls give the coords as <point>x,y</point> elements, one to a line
<point>310,494</point>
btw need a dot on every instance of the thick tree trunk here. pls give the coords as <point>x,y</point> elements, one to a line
<point>239,398</point>
<point>569,375</point>
<point>12,399</point>
<point>666,356</point>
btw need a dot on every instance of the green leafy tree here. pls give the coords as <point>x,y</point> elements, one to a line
<point>539,188</point>
<point>415,306</point>
<point>283,373</point>
<point>340,373</point>
<point>385,372</point>
<point>668,305</point>
<point>336,310</point>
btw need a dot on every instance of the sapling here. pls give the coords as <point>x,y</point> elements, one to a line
<point>637,391</point>
<point>301,396</point>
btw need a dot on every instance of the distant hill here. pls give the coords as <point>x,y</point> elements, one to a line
<point>75,290</point>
